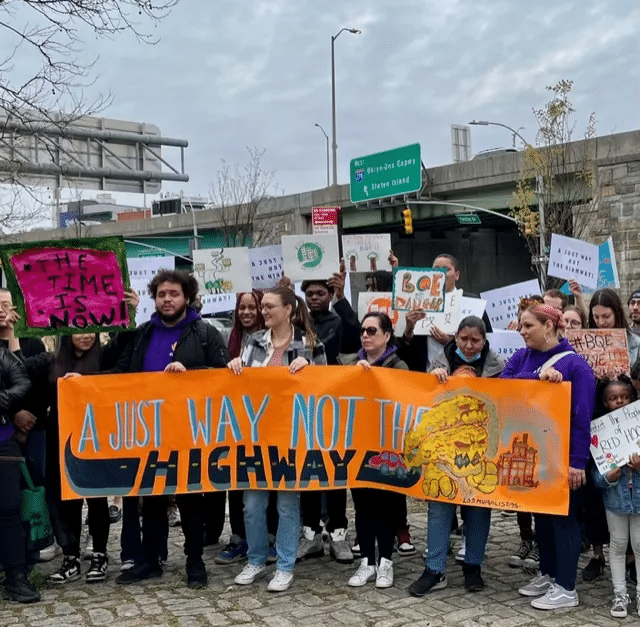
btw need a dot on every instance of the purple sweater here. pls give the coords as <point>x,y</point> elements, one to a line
<point>523,365</point>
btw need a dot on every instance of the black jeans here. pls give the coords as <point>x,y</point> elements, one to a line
<point>12,539</point>
<point>311,509</point>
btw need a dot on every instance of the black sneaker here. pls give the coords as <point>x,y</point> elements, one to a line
<point>196,574</point>
<point>98,568</point>
<point>18,588</point>
<point>472,578</point>
<point>115,514</point>
<point>593,569</point>
<point>428,581</point>
<point>69,571</point>
<point>517,559</point>
<point>138,573</point>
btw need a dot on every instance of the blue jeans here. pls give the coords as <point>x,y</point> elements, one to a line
<point>287,536</point>
<point>559,542</point>
<point>476,532</point>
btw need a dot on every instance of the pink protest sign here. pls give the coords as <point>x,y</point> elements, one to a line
<point>65,287</point>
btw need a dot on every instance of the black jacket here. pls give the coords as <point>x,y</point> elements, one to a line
<point>350,326</point>
<point>200,346</point>
<point>328,327</point>
<point>14,384</point>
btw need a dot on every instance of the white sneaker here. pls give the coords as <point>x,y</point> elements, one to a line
<point>539,585</point>
<point>311,544</point>
<point>281,581</point>
<point>250,573</point>
<point>127,565</point>
<point>556,598</point>
<point>363,574</point>
<point>339,547</point>
<point>384,577</point>
<point>49,552</point>
<point>619,606</point>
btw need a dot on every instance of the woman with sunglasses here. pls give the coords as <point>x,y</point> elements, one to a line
<point>468,354</point>
<point>375,509</point>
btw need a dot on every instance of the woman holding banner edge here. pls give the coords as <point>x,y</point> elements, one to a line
<point>548,358</point>
<point>376,510</point>
<point>288,340</point>
<point>468,354</point>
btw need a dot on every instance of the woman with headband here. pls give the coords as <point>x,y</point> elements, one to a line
<point>549,358</point>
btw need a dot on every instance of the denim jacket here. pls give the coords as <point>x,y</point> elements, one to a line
<point>618,497</point>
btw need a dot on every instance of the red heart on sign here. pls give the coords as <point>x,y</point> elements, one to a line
<point>594,440</point>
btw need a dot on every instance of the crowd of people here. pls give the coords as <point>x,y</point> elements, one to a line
<point>278,328</point>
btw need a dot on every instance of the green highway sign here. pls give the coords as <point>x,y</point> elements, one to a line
<point>390,173</point>
<point>468,218</point>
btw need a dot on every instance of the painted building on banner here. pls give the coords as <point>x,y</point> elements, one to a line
<point>492,253</point>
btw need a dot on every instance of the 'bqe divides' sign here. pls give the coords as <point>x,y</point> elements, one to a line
<point>388,173</point>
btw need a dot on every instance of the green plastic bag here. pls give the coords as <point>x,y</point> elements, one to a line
<point>34,514</point>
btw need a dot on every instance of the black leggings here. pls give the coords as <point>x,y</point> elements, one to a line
<point>376,517</point>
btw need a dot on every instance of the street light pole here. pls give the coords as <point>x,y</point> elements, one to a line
<point>327,138</point>
<point>539,195</point>
<point>334,145</point>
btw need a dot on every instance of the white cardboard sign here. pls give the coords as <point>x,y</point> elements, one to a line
<point>472,307</point>
<point>222,270</point>
<point>310,256</point>
<point>366,253</point>
<point>505,343</point>
<point>502,302</point>
<point>381,301</point>
<point>571,258</point>
<point>615,436</point>
<point>216,303</point>
<point>266,266</point>
<point>446,321</point>
<point>141,271</point>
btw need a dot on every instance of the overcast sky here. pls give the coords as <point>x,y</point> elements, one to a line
<point>227,74</point>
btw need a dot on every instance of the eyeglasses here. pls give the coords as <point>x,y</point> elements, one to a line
<point>370,331</point>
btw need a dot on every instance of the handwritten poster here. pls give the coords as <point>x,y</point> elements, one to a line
<point>502,302</point>
<point>571,258</point>
<point>266,266</point>
<point>222,270</point>
<point>607,270</point>
<point>505,343</point>
<point>310,256</point>
<point>366,253</point>
<point>381,301</point>
<point>419,288</point>
<point>605,350</point>
<point>141,271</point>
<point>68,286</point>
<point>447,321</point>
<point>615,437</point>
<point>324,427</point>
<point>472,307</point>
<point>217,303</point>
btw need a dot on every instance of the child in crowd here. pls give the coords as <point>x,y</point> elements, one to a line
<point>621,495</point>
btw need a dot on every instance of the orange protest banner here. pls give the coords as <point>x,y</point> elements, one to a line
<point>495,443</point>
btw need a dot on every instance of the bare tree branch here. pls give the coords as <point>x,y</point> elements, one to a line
<point>238,194</point>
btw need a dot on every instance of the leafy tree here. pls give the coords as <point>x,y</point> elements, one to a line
<point>561,170</point>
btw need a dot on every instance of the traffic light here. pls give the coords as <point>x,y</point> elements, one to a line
<point>407,221</point>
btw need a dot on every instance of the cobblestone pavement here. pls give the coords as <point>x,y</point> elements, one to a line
<point>318,597</point>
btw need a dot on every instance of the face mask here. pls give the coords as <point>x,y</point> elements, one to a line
<point>466,360</point>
